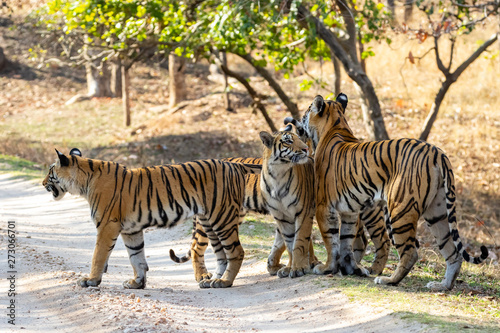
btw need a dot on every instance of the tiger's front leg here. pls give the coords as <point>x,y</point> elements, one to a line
<point>301,247</point>
<point>329,226</point>
<point>348,231</point>
<point>107,235</point>
<point>135,248</point>
<point>273,261</point>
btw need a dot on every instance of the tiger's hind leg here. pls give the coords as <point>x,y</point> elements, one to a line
<point>437,221</point>
<point>229,239</point>
<point>348,230</point>
<point>219,252</point>
<point>135,248</point>
<point>198,248</point>
<point>403,224</point>
<point>273,261</point>
<point>360,243</point>
<point>374,221</point>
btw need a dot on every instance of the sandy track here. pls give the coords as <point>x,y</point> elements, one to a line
<point>55,241</point>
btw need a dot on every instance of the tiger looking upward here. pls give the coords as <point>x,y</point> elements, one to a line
<point>125,201</point>
<point>412,177</point>
<point>300,194</point>
<point>287,187</point>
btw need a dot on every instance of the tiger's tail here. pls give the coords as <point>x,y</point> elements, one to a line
<point>449,185</point>
<point>180,260</point>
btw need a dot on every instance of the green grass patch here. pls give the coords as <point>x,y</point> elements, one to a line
<point>21,168</point>
<point>472,305</point>
<point>257,236</point>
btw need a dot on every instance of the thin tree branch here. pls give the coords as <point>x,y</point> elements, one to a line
<point>253,94</point>
<point>474,56</point>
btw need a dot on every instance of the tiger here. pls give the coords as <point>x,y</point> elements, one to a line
<point>253,202</point>
<point>287,187</point>
<point>408,177</point>
<point>126,201</point>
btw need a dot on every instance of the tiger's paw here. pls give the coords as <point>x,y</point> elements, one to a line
<point>315,263</point>
<point>204,276</point>
<point>87,282</point>
<point>298,272</point>
<point>216,283</point>
<point>375,270</point>
<point>134,284</point>
<point>437,286</point>
<point>349,266</point>
<point>273,270</point>
<point>384,280</point>
<point>322,269</point>
<point>284,272</point>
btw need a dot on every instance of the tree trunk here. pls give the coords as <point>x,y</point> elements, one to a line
<point>292,107</point>
<point>227,100</point>
<point>338,77</point>
<point>125,95</point>
<point>431,117</point>
<point>255,97</point>
<point>376,126</point>
<point>98,80</point>
<point>392,10</point>
<point>3,60</point>
<point>408,10</point>
<point>177,82</point>
<point>116,78</point>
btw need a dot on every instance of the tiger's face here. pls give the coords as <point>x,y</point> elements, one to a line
<point>284,147</point>
<point>319,116</point>
<point>52,184</point>
<point>58,180</point>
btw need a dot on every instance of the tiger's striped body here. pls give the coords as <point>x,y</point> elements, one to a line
<point>287,187</point>
<point>254,202</point>
<point>411,178</point>
<point>126,201</point>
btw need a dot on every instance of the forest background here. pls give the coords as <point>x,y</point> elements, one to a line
<point>153,82</point>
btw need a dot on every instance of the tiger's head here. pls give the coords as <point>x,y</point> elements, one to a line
<point>319,117</point>
<point>284,147</point>
<point>60,178</point>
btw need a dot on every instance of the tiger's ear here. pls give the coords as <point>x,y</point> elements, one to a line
<point>75,151</point>
<point>267,139</point>
<point>288,128</point>
<point>298,125</point>
<point>342,99</point>
<point>319,104</point>
<point>62,159</point>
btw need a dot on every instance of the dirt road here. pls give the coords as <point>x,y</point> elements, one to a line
<point>55,241</point>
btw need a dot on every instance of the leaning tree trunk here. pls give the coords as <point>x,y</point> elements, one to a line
<point>373,113</point>
<point>251,91</point>
<point>292,107</point>
<point>338,77</point>
<point>177,82</point>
